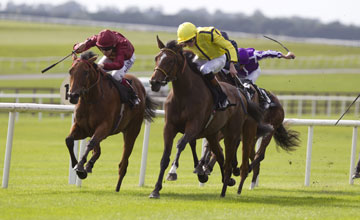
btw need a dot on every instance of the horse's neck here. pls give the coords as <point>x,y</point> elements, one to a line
<point>96,92</point>
<point>188,83</point>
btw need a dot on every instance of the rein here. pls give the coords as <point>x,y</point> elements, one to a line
<point>83,91</point>
<point>168,77</point>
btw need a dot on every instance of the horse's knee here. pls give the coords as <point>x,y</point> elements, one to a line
<point>69,141</point>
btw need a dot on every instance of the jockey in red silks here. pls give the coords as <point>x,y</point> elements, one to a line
<point>118,56</point>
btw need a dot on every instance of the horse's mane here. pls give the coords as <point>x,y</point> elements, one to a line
<point>189,55</point>
<point>87,55</point>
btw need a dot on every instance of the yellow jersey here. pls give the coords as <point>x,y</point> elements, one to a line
<point>210,44</point>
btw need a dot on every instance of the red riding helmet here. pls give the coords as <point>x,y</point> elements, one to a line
<point>106,38</point>
<point>243,56</point>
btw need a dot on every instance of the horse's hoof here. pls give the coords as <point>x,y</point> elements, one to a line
<point>171,177</point>
<point>236,171</point>
<point>81,175</point>
<point>239,192</point>
<point>356,175</point>
<point>154,195</point>
<point>231,182</point>
<point>203,178</point>
<point>79,168</point>
<point>252,185</point>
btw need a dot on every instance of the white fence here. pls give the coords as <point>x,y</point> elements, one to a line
<point>300,100</point>
<point>12,108</point>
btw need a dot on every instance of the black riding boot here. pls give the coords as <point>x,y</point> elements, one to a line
<point>133,98</point>
<point>222,102</point>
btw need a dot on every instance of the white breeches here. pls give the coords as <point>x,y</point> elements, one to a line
<point>208,66</point>
<point>119,74</point>
<point>254,75</point>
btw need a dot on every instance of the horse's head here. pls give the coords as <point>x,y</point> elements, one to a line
<point>83,76</point>
<point>168,63</point>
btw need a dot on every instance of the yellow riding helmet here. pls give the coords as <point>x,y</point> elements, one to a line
<point>186,31</point>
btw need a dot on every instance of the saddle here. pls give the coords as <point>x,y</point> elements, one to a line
<point>126,92</point>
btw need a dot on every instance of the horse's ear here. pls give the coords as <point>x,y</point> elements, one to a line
<point>92,59</point>
<point>160,43</point>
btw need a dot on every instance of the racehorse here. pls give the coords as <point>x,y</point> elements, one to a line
<point>274,115</point>
<point>189,109</point>
<point>99,113</point>
<point>286,138</point>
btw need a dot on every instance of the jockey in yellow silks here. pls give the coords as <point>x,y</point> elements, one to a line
<point>212,51</point>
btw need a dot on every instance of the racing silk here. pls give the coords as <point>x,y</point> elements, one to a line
<point>254,57</point>
<point>211,44</point>
<point>123,51</point>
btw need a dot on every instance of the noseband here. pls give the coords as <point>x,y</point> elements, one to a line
<point>168,78</point>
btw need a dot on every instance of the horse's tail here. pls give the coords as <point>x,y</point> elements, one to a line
<point>287,139</point>
<point>150,108</point>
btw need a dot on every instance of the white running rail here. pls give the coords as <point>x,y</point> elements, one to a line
<point>12,108</point>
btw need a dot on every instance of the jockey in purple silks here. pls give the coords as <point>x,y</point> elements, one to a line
<point>249,58</point>
<point>248,66</point>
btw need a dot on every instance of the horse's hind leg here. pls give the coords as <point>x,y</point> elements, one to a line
<point>259,156</point>
<point>94,158</point>
<point>130,136</point>
<point>249,135</point>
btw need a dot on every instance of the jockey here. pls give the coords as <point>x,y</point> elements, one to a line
<point>212,51</point>
<point>118,57</point>
<point>249,58</point>
<point>248,67</point>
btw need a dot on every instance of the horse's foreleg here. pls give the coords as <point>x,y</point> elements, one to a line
<point>169,135</point>
<point>75,134</point>
<point>172,175</point>
<point>94,158</point>
<point>99,135</point>
<point>79,168</point>
<point>193,151</point>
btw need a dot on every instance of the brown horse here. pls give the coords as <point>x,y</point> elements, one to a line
<point>189,109</point>
<point>99,113</point>
<point>287,139</point>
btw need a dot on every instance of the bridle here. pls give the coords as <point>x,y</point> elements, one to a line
<point>84,90</point>
<point>169,78</point>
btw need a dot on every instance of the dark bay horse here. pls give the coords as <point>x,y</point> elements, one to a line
<point>286,138</point>
<point>100,113</point>
<point>274,115</point>
<point>189,109</point>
